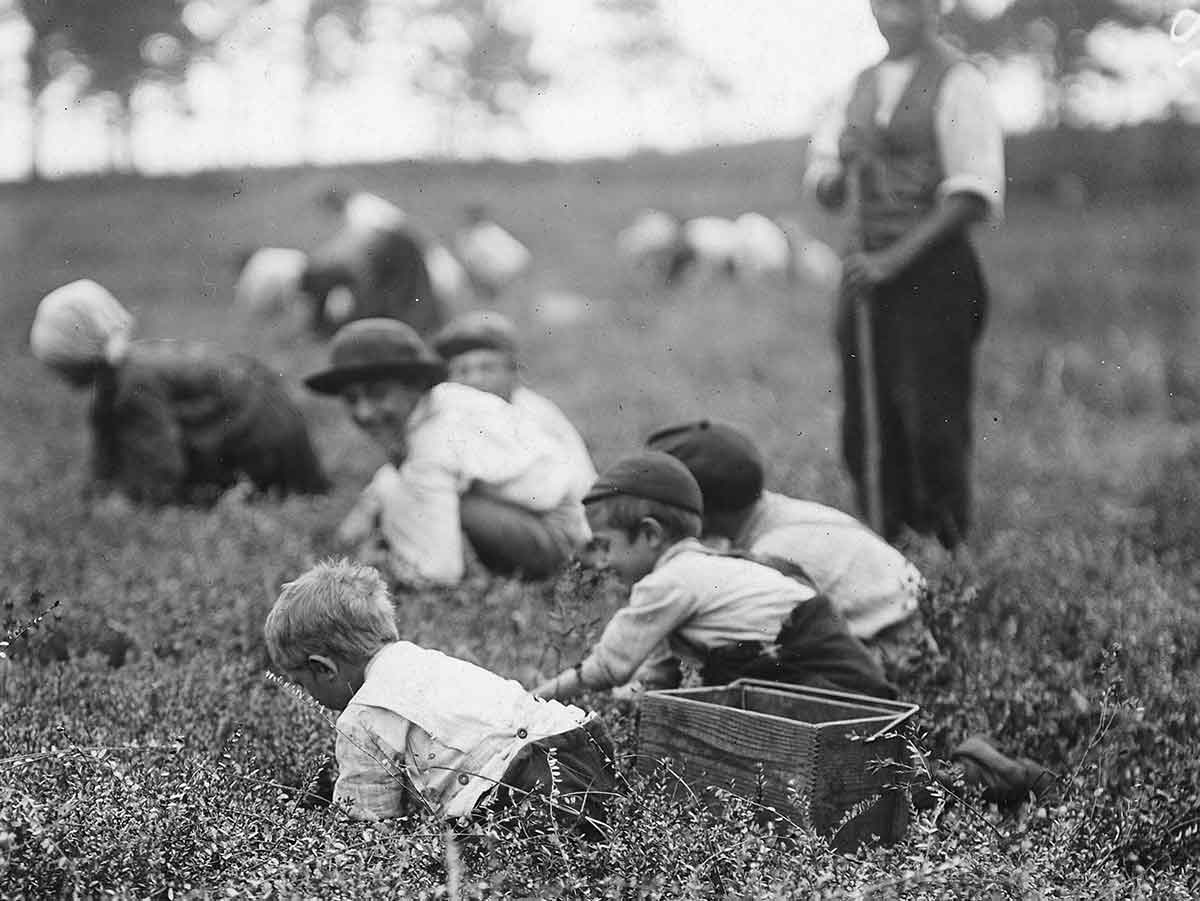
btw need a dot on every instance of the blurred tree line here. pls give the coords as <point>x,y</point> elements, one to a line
<point>474,57</point>
<point>1066,38</point>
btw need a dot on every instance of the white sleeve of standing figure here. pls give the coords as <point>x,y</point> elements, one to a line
<point>970,138</point>
<point>823,142</point>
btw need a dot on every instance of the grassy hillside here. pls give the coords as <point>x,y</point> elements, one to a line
<point>1072,637</point>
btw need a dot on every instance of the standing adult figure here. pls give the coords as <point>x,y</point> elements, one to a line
<point>172,421</point>
<point>919,135</point>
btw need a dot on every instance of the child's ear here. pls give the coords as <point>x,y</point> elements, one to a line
<point>322,667</point>
<point>653,530</point>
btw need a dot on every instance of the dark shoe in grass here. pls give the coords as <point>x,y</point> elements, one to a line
<point>1006,781</point>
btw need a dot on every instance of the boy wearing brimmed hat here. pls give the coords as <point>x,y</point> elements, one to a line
<point>481,350</point>
<point>730,615</point>
<point>870,583</point>
<point>461,461</point>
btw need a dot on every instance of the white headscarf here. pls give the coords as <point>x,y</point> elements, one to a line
<point>80,322</point>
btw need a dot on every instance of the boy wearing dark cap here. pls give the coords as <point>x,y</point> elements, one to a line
<point>731,616</point>
<point>481,350</point>
<point>461,462</point>
<point>869,582</point>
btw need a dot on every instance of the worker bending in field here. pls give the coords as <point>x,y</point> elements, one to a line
<point>870,583</point>
<point>731,616</point>
<point>172,421</point>
<point>420,731</point>
<point>374,266</point>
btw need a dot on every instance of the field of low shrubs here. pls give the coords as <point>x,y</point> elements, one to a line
<point>145,751</point>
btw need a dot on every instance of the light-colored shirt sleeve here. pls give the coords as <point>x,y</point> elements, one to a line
<point>460,440</point>
<point>363,519</point>
<point>660,670</point>
<point>823,142</point>
<point>970,139</point>
<point>656,607</point>
<point>420,520</point>
<point>574,452</point>
<point>371,779</point>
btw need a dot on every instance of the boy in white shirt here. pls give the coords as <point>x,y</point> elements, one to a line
<point>871,584</point>
<point>731,616</point>
<point>421,729</point>
<point>480,349</point>
<point>461,461</point>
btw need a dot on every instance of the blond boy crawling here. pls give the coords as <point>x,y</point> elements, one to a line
<point>420,728</point>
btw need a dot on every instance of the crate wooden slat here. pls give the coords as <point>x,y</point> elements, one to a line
<point>801,751</point>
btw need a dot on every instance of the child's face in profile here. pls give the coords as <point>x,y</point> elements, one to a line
<point>613,549</point>
<point>381,408</point>
<point>493,371</point>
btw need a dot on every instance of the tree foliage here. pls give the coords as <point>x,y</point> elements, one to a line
<point>1059,35</point>
<point>483,63</point>
<point>1056,30</point>
<point>112,46</point>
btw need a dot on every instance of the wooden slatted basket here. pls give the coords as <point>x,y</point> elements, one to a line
<point>826,759</point>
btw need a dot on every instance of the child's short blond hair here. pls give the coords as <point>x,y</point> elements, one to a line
<point>338,609</point>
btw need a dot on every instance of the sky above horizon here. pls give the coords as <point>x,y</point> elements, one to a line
<point>781,61</point>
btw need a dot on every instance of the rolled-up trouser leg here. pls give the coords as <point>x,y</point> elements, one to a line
<point>511,540</point>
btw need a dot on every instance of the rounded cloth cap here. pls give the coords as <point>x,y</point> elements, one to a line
<point>723,460</point>
<point>376,348</point>
<point>477,330</point>
<point>81,322</point>
<point>651,476</point>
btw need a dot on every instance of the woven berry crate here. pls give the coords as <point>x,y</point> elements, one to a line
<point>824,759</point>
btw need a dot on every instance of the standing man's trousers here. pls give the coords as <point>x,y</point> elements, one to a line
<point>925,323</point>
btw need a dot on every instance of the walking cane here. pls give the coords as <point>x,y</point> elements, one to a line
<point>860,303</point>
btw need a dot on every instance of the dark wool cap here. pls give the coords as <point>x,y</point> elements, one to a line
<point>477,330</point>
<point>651,476</point>
<point>723,460</point>
<point>374,349</point>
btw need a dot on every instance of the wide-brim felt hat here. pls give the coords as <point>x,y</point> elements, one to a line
<point>369,349</point>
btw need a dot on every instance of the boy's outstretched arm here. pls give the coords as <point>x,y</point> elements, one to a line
<point>635,632</point>
<point>565,685</point>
